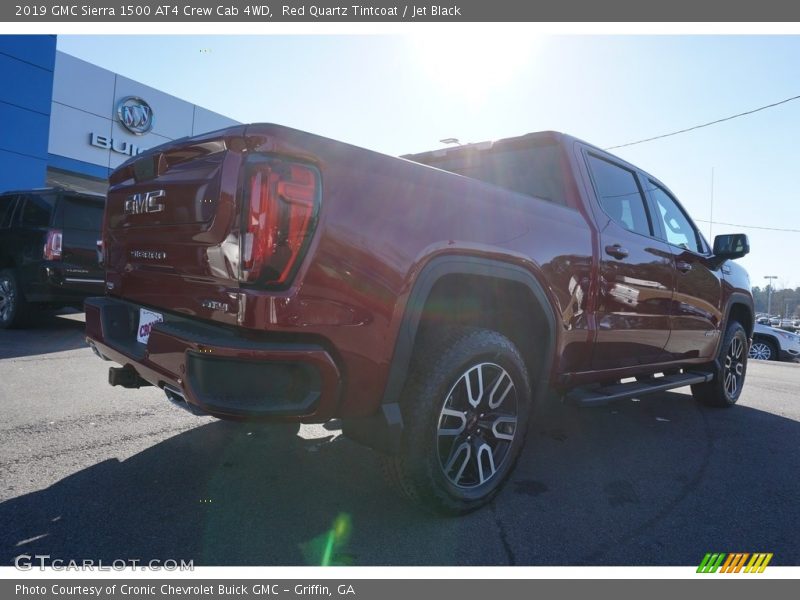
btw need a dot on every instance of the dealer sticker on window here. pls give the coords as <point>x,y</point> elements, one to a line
<point>147,318</point>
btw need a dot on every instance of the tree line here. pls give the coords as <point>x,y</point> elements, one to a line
<point>785,302</point>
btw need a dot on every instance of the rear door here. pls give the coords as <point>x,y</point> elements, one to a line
<point>636,270</point>
<point>81,220</point>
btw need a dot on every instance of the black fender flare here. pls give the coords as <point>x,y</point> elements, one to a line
<point>734,298</point>
<point>437,268</point>
<point>747,301</point>
<point>383,430</point>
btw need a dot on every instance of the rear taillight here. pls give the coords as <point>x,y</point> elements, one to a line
<point>52,247</point>
<point>281,208</point>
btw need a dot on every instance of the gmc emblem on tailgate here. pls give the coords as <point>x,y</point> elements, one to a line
<point>146,202</point>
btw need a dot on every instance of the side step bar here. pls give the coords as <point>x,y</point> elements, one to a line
<point>624,391</point>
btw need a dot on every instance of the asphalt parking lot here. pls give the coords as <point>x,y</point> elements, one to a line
<point>90,471</point>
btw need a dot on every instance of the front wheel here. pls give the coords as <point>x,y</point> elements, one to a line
<point>726,387</point>
<point>465,412</point>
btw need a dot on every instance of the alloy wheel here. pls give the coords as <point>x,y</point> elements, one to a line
<point>734,367</point>
<point>7,298</point>
<point>760,351</point>
<point>477,425</point>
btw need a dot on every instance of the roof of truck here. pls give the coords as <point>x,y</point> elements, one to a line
<point>538,137</point>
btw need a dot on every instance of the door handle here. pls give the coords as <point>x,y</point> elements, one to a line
<point>617,251</point>
<point>683,267</point>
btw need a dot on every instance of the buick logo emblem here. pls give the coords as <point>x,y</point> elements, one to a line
<point>135,115</point>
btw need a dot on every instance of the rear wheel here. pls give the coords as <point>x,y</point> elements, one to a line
<point>465,411</point>
<point>726,387</point>
<point>13,307</point>
<point>763,349</point>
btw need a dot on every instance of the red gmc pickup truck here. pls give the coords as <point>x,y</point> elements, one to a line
<point>260,272</point>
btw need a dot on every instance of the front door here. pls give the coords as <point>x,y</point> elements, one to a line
<point>696,311</point>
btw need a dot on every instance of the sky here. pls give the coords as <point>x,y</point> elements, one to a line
<point>403,93</point>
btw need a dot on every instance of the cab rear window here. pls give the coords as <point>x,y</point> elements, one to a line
<point>534,171</point>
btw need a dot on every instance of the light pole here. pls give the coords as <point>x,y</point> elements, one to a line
<point>769,293</point>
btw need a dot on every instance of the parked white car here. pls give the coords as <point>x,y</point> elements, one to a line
<point>770,343</point>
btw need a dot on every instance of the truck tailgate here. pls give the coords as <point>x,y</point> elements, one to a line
<point>172,224</point>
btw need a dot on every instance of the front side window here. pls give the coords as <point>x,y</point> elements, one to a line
<point>619,195</point>
<point>678,229</point>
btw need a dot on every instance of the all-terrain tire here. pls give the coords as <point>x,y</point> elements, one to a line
<point>724,390</point>
<point>465,411</point>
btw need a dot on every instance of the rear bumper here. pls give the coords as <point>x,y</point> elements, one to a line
<point>218,371</point>
<point>58,283</point>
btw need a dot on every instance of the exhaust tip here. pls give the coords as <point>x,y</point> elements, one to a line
<point>178,398</point>
<point>97,352</point>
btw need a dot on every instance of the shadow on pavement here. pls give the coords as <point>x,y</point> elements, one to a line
<point>48,332</point>
<point>657,482</point>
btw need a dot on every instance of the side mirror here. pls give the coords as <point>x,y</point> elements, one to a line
<point>730,246</point>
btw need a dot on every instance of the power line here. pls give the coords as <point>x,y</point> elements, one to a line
<point>749,226</point>
<point>742,114</point>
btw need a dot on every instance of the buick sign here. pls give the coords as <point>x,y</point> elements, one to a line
<point>135,115</point>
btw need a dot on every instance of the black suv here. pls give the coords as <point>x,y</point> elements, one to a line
<point>49,251</point>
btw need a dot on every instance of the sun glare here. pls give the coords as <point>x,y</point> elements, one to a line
<point>474,64</point>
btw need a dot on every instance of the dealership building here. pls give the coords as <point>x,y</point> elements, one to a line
<point>69,123</point>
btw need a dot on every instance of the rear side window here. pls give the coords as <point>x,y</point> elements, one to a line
<point>38,211</point>
<point>83,214</point>
<point>619,195</point>
<point>7,204</point>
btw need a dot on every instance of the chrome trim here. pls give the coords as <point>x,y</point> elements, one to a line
<point>174,394</point>
<point>79,280</point>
